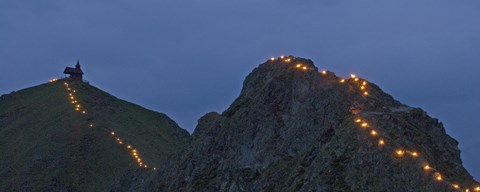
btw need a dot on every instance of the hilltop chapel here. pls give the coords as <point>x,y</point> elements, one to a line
<point>74,73</point>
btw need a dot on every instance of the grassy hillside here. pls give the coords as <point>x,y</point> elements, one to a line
<point>46,145</point>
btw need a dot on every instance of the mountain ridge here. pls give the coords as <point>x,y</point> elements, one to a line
<point>294,128</point>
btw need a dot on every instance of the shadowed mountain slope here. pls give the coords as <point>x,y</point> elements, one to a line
<point>294,128</point>
<point>47,145</point>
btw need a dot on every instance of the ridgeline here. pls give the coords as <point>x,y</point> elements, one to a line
<point>293,128</point>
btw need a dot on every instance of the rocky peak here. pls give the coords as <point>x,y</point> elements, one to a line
<point>294,128</point>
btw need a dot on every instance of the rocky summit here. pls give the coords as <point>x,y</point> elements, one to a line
<point>294,128</point>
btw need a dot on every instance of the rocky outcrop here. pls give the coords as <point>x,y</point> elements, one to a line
<point>293,129</point>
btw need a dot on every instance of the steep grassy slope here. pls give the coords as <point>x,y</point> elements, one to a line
<point>47,146</point>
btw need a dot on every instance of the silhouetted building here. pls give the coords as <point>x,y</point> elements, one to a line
<point>74,73</point>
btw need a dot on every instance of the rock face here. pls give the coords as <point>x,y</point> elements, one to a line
<point>293,129</point>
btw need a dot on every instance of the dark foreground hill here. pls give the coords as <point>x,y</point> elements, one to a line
<point>46,145</point>
<point>294,128</point>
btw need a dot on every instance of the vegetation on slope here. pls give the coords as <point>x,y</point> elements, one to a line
<point>46,146</point>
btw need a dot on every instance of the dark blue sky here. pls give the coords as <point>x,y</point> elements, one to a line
<point>186,58</point>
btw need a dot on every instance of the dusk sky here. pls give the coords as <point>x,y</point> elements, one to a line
<point>186,58</point>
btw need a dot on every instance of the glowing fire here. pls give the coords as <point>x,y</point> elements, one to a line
<point>426,167</point>
<point>381,142</point>
<point>400,152</point>
<point>438,177</point>
<point>414,154</point>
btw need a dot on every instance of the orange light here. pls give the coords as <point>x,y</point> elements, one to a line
<point>362,87</point>
<point>113,133</point>
<point>356,79</point>
<point>304,68</point>
<point>77,109</point>
<point>358,120</point>
<point>298,65</point>
<point>438,177</point>
<point>118,139</point>
<point>414,154</point>
<point>73,102</point>
<point>365,93</point>
<point>272,59</point>
<point>72,98</point>
<point>120,142</point>
<point>426,167</point>
<point>129,147</point>
<point>281,57</point>
<point>477,188</point>
<point>68,89</point>
<point>364,124</point>
<point>400,153</point>
<point>287,60</point>
<point>364,83</point>
<point>138,160</point>
<point>70,94</point>
<point>353,75</point>
<point>134,150</point>
<point>78,106</point>
<point>324,72</point>
<point>342,81</point>
<point>134,154</point>
<point>381,142</point>
<point>456,186</point>
<point>373,133</point>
